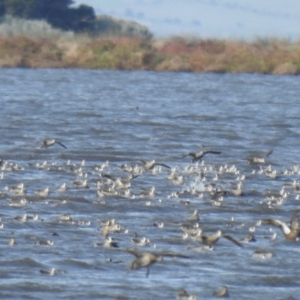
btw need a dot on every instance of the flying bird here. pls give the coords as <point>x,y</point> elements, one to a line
<point>199,155</point>
<point>211,239</point>
<point>149,165</point>
<point>50,142</point>
<point>259,159</point>
<point>290,230</point>
<point>146,259</point>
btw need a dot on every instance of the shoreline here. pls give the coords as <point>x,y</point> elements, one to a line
<point>177,54</point>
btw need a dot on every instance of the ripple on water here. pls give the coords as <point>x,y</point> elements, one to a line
<point>123,117</point>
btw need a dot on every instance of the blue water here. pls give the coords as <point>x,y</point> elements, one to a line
<point>123,117</point>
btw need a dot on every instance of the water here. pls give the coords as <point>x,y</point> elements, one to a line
<point>122,117</point>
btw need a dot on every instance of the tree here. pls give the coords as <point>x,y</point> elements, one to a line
<point>56,12</point>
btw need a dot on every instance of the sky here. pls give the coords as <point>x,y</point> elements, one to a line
<point>235,19</point>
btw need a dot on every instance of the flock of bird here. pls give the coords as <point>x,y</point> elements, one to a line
<point>197,181</point>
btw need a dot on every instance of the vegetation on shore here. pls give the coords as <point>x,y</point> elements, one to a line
<point>35,44</point>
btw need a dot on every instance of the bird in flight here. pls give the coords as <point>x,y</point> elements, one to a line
<point>146,259</point>
<point>50,142</point>
<point>149,165</point>
<point>259,159</point>
<point>199,155</point>
<point>290,230</point>
<point>210,240</point>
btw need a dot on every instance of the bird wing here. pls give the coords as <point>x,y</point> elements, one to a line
<point>230,238</point>
<point>273,222</point>
<point>189,154</point>
<point>171,254</point>
<point>269,153</point>
<point>295,221</point>
<point>59,143</point>
<point>158,164</point>
<point>135,252</point>
<point>113,178</point>
<point>211,152</point>
<point>282,225</point>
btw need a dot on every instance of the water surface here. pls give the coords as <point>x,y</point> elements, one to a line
<point>123,117</point>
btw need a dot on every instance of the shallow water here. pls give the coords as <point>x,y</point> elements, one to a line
<point>122,117</point>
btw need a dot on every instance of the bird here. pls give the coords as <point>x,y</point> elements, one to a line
<point>202,248</point>
<point>12,242</point>
<point>139,241</point>
<point>121,183</point>
<point>42,193</point>
<point>213,238</point>
<point>146,259</point>
<point>199,155</point>
<point>18,190</point>
<point>238,191</point>
<point>81,184</point>
<point>149,165</point>
<point>147,193</point>
<point>46,272</point>
<point>194,217</point>
<point>24,218</point>
<point>18,203</point>
<point>223,292</point>
<point>182,294</point>
<point>262,254</point>
<point>109,243</point>
<point>191,229</point>
<point>62,188</point>
<point>44,243</point>
<point>158,224</point>
<point>259,159</point>
<point>248,238</point>
<point>290,230</point>
<point>109,226</point>
<point>50,142</point>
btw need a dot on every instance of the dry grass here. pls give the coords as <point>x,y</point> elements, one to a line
<point>59,49</point>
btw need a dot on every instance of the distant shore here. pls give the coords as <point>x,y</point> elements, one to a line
<point>264,56</point>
